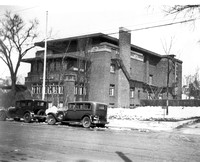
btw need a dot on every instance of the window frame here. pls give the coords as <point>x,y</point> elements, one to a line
<point>112,90</point>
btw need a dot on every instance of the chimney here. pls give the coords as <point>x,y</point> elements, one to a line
<point>125,47</point>
<point>123,83</point>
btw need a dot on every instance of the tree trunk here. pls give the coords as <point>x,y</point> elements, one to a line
<point>13,89</point>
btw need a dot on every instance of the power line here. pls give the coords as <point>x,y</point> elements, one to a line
<point>157,26</point>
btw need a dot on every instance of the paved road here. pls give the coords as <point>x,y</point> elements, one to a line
<point>40,142</point>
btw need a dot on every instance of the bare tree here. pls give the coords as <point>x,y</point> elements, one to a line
<point>187,10</point>
<point>62,72</point>
<point>84,63</point>
<point>192,85</point>
<point>16,38</point>
<point>171,64</point>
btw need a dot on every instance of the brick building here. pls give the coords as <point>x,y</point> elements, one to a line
<point>102,68</point>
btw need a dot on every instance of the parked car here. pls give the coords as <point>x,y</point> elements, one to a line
<point>86,113</point>
<point>27,109</point>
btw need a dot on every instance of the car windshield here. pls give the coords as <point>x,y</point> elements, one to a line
<point>40,103</point>
<point>71,106</point>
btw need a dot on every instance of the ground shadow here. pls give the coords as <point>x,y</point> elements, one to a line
<point>123,156</point>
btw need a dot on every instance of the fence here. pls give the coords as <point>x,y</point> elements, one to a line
<point>191,103</point>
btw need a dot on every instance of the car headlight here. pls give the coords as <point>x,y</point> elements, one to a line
<point>60,116</point>
<point>96,117</point>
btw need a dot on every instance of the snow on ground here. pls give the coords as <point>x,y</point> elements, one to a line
<point>149,118</point>
<point>151,113</point>
<point>152,118</point>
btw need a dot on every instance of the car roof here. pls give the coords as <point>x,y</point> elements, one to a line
<point>92,102</point>
<point>31,100</point>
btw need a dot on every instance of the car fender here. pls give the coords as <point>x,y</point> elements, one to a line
<point>54,115</point>
<point>4,111</point>
<point>31,113</point>
<point>89,115</point>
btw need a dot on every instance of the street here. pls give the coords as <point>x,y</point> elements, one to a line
<point>41,142</point>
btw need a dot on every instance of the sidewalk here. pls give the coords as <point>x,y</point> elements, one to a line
<point>152,118</point>
<point>148,125</point>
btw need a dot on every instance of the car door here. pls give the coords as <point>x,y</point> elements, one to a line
<point>75,111</point>
<point>20,109</point>
<point>70,116</point>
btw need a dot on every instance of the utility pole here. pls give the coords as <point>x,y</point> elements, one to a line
<point>45,54</point>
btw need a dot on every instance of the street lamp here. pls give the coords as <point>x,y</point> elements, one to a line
<point>169,57</point>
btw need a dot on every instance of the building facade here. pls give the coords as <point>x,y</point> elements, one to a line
<point>102,68</point>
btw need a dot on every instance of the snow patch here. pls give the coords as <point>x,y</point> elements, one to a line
<point>152,113</point>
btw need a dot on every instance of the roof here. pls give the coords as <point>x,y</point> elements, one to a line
<point>41,44</point>
<point>98,35</point>
<point>53,56</point>
<point>105,37</point>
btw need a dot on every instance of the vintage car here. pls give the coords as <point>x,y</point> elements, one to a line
<point>30,109</point>
<point>86,113</point>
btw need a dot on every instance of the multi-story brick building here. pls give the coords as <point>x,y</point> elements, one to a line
<point>103,68</point>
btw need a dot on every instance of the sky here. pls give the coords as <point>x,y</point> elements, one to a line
<point>79,17</point>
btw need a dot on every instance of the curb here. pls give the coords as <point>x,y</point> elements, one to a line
<point>145,126</point>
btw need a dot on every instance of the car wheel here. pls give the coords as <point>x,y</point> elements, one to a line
<point>42,113</point>
<point>51,120</point>
<point>86,122</point>
<point>2,115</point>
<point>27,117</point>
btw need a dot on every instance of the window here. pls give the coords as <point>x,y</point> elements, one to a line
<point>36,88</point>
<point>112,90</point>
<point>61,89</point>
<point>111,105</point>
<point>71,106</point>
<point>176,72</point>
<point>132,92</point>
<point>76,90</point>
<point>29,103</point>
<point>57,65</point>
<point>150,79</point>
<point>51,88</point>
<point>40,67</point>
<point>52,64</point>
<point>61,104</point>
<point>79,90</point>
<point>138,94</point>
<point>87,106</point>
<point>112,68</point>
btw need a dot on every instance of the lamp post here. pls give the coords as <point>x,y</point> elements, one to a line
<point>167,102</point>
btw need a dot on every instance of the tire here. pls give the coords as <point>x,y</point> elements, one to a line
<point>86,122</point>
<point>27,117</point>
<point>51,120</point>
<point>42,113</point>
<point>2,115</point>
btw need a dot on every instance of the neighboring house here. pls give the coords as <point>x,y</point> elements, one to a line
<point>102,68</point>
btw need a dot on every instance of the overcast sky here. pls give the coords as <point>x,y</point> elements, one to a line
<point>80,17</point>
